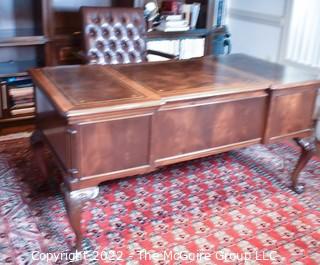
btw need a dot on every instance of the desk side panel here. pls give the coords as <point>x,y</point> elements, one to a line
<point>207,126</point>
<point>53,126</point>
<point>114,145</point>
<point>291,113</point>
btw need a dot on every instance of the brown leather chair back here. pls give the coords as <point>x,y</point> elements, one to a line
<point>114,35</point>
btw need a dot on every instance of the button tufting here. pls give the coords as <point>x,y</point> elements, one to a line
<point>100,45</point>
<point>93,55</point>
<point>124,20</point>
<point>137,45</point>
<point>95,19</point>
<point>92,32</point>
<point>130,33</point>
<point>118,33</point>
<point>105,33</point>
<point>132,56</point>
<point>110,19</point>
<point>112,45</point>
<point>124,45</point>
<point>120,57</point>
<point>115,37</point>
<point>107,57</point>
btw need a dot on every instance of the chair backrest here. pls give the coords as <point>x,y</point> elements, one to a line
<point>114,35</point>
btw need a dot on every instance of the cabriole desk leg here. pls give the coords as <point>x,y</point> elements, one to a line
<point>38,147</point>
<point>75,201</point>
<point>309,148</point>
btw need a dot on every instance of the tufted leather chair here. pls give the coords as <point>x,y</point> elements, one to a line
<point>115,35</point>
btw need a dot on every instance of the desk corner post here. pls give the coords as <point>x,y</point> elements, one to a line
<point>309,148</point>
<point>38,147</point>
<point>75,201</point>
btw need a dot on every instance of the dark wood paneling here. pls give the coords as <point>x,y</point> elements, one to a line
<point>195,128</point>
<point>291,112</point>
<point>115,145</point>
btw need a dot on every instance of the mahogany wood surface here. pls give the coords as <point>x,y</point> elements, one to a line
<point>109,122</point>
<point>138,117</point>
<point>147,115</point>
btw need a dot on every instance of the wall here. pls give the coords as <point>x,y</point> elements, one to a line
<point>258,27</point>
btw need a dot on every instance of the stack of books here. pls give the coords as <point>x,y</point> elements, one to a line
<point>173,23</point>
<point>21,96</point>
<point>181,22</point>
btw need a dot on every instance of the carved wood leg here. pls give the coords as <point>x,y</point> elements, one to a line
<point>308,150</point>
<point>75,201</point>
<point>37,145</point>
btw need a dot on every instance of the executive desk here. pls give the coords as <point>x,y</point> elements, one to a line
<point>109,122</point>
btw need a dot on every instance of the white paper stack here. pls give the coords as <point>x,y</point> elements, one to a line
<point>173,23</point>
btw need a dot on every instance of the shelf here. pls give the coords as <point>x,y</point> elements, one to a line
<point>21,37</point>
<point>193,33</point>
<point>17,118</point>
<point>23,41</point>
<point>180,35</point>
<point>16,68</point>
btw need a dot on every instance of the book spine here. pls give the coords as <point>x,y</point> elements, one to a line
<point>220,13</point>
<point>4,96</point>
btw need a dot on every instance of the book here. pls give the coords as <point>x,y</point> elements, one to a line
<point>187,10</point>
<point>191,12</point>
<point>172,29</point>
<point>175,23</point>
<point>172,17</point>
<point>22,111</point>
<point>220,11</point>
<point>23,105</point>
<point>20,92</point>
<point>4,95</point>
<point>195,11</point>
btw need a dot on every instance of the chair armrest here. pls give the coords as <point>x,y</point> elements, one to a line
<point>163,54</point>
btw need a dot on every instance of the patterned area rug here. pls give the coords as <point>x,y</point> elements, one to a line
<point>233,208</point>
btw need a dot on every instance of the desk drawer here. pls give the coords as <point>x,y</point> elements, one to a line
<point>204,127</point>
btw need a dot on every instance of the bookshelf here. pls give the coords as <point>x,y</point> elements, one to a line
<point>23,45</point>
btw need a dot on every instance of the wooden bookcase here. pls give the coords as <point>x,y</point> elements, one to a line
<point>23,45</point>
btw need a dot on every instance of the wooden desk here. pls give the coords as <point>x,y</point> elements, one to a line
<point>109,122</point>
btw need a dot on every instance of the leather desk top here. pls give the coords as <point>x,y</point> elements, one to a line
<point>108,88</point>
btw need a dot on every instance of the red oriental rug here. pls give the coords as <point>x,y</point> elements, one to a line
<point>233,208</point>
